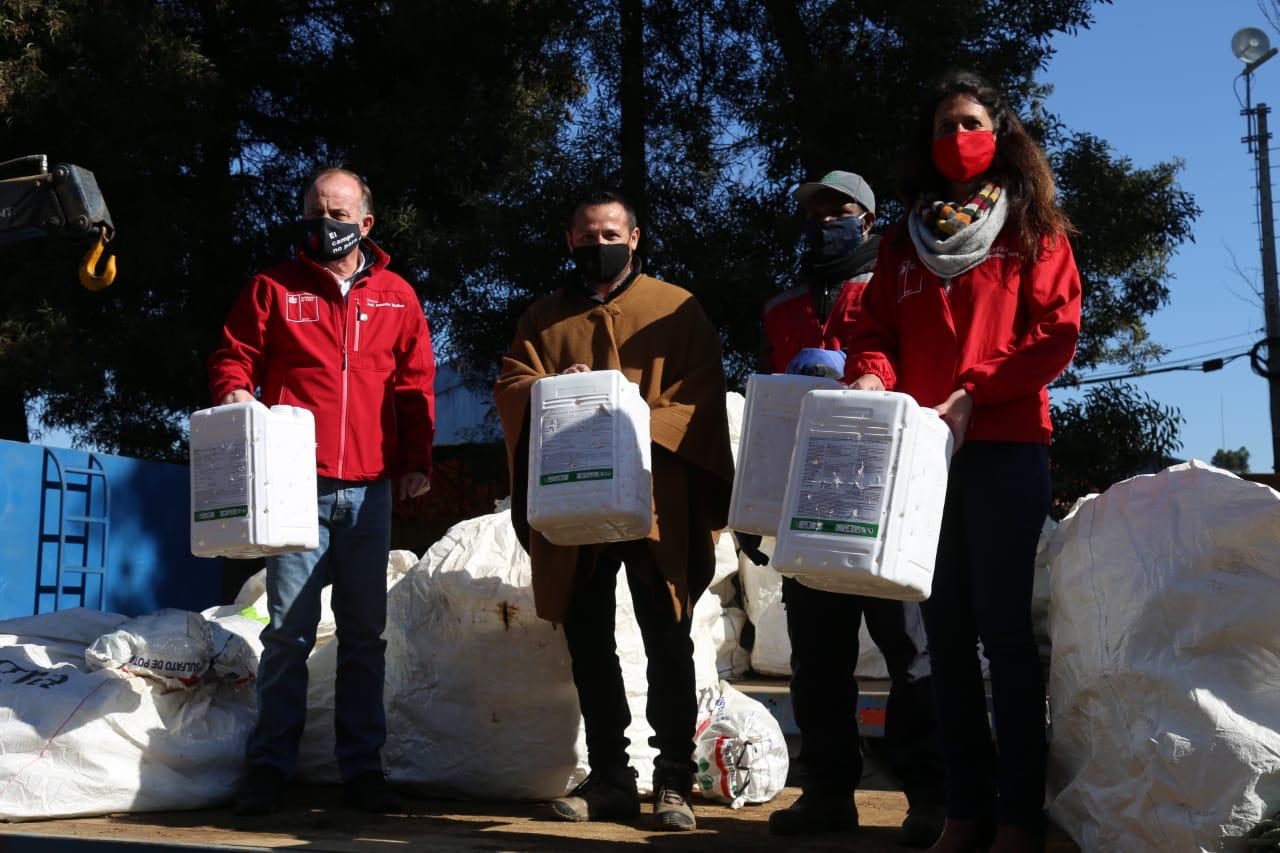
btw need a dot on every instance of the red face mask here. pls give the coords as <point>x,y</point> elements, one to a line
<point>964,156</point>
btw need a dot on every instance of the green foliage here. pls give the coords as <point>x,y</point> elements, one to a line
<point>1115,432</point>
<point>1236,461</point>
<point>477,123</point>
<point>1130,222</point>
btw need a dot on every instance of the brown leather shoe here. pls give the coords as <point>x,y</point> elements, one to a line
<point>602,796</point>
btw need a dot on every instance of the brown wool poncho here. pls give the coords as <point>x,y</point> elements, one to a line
<point>657,335</point>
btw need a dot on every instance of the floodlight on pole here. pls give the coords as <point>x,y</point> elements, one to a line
<point>1252,47</point>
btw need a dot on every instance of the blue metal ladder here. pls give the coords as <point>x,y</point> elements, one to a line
<point>64,483</point>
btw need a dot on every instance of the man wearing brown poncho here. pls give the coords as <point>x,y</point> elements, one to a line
<point>611,317</point>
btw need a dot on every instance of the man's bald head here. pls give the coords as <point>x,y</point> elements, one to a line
<point>342,182</point>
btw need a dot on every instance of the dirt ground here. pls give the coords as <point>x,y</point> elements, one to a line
<point>314,820</point>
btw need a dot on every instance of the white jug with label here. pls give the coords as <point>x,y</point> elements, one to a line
<point>590,472</point>
<point>764,453</point>
<point>864,498</point>
<point>253,481</point>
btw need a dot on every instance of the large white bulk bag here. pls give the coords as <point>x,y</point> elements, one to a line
<point>771,654</point>
<point>81,741</point>
<point>590,474</point>
<point>253,481</point>
<point>863,506</point>
<point>479,696</point>
<point>1165,681</point>
<point>763,453</point>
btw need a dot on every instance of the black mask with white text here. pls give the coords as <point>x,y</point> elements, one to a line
<point>328,240</point>
<point>601,263</point>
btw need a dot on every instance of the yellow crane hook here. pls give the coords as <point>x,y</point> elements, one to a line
<point>97,280</point>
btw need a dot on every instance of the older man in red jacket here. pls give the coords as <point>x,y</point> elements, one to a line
<point>337,333</point>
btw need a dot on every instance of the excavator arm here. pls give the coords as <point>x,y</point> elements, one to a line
<point>36,201</point>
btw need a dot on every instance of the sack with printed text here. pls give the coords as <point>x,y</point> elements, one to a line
<point>740,751</point>
<point>172,647</point>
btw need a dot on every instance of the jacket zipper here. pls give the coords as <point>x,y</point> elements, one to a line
<point>342,417</point>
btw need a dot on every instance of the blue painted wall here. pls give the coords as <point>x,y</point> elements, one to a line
<point>148,555</point>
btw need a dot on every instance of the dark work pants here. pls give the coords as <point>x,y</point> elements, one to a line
<point>823,627</point>
<point>672,701</point>
<point>997,500</point>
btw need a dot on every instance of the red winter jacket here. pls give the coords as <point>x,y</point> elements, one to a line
<point>1004,331</point>
<point>363,366</point>
<point>791,323</point>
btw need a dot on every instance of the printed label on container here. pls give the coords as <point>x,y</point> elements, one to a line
<point>576,476</point>
<point>577,445</point>
<point>221,476</point>
<point>844,528</point>
<point>842,489</point>
<point>221,512</point>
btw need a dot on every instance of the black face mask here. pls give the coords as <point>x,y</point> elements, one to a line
<point>328,240</point>
<point>602,263</point>
<point>832,238</point>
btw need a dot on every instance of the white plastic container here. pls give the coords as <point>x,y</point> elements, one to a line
<point>590,475</point>
<point>863,506</point>
<point>253,481</point>
<point>764,451</point>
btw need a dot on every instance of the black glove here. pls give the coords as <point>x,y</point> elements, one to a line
<point>749,544</point>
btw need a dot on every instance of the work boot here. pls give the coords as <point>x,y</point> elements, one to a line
<point>963,836</point>
<point>672,784</point>
<point>671,808</point>
<point>604,795</point>
<point>815,813</point>
<point>259,793</point>
<point>370,792</point>
<point>923,825</point>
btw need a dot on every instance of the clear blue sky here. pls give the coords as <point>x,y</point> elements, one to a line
<point>1155,79</point>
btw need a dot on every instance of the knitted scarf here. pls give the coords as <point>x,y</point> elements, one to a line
<point>952,240</point>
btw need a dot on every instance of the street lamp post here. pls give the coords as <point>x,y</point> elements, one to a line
<point>1252,47</point>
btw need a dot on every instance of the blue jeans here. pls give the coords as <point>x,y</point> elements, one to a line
<point>355,534</point>
<point>997,500</point>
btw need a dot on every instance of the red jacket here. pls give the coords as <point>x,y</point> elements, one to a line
<point>791,323</point>
<point>1004,331</point>
<point>363,366</point>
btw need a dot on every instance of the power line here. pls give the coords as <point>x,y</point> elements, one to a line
<point>1206,366</point>
<point>1249,333</point>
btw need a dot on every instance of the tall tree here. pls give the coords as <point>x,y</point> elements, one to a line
<point>477,123</point>
<point>202,121</point>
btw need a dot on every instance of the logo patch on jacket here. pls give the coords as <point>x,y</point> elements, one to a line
<point>910,282</point>
<point>302,308</point>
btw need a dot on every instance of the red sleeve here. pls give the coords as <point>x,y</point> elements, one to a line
<point>415,394</point>
<point>1050,293</point>
<point>236,365</point>
<point>873,346</point>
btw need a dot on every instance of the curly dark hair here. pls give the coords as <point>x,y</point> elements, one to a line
<point>1020,165</point>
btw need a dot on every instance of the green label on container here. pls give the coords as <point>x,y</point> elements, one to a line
<point>843,528</point>
<point>222,512</point>
<point>576,476</point>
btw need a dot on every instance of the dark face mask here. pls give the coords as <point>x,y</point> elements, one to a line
<point>601,263</point>
<point>829,239</point>
<point>328,240</point>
